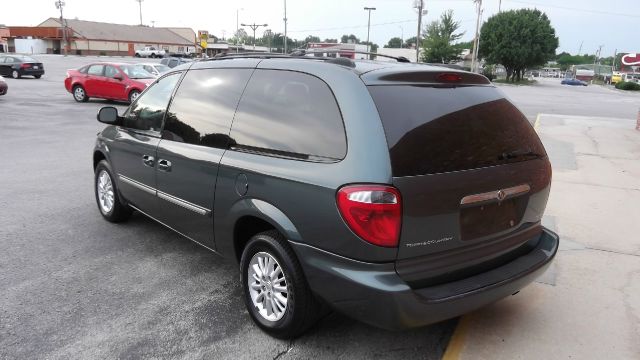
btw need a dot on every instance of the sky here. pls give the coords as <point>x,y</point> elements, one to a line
<point>613,23</point>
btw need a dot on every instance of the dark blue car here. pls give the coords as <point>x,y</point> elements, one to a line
<point>569,81</point>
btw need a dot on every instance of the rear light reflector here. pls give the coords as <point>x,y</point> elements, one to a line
<point>373,212</point>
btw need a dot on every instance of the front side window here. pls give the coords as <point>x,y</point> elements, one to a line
<point>149,109</point>
<point>110,71</point>
<point>96,70</point>
<point>289,114</point>
<point>202,109</point>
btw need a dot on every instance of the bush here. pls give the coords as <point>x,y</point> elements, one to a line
<point>628,86</point>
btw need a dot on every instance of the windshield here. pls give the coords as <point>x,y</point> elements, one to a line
<point>28,59</point>
<point>136,72</point>
<point>162,68</point>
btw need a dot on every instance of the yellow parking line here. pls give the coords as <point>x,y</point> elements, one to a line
<point>537,122</point>
<point>457,339</point>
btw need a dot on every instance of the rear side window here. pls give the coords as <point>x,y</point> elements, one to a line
<point>289,114</point>
<point>96,70</point>
<point>203,106</point>
<point>435,130</point>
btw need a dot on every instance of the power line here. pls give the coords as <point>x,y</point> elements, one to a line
<point>601,12</point>
<point>354,27</point>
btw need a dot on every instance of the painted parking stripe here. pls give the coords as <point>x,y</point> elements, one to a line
<point>456,343</point>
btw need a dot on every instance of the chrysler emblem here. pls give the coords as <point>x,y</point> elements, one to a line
<point>501,195</point>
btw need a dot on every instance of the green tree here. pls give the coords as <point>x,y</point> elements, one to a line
<point>394,42</point>
<point>311,39</point>
<point>409,42</point>
<point>333,41</point>
<point>518,39</point>
<point>349,38</point>
<point>439,37</point>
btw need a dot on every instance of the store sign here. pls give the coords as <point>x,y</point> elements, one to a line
<point>631,60</point>
<point>203,38</point>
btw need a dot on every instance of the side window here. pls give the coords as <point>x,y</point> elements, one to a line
<point>83,69</point>
<point>202,109</point>
<point>148,69</point>
<point>173,63</point>
<point>289,114</point>
<point>148,110</point>
<point>110,71</point>
<point>96,70</point>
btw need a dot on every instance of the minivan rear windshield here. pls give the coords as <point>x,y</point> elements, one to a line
<point>434,130</point>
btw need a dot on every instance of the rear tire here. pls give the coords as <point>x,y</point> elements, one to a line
<point>107,195</point>
<point>261,293</point>
<point>15,74</point>
<point>137,55</point>
<point>37,76</point>
<point>133,95</point>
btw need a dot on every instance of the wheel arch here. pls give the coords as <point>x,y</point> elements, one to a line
<point>254,216</point>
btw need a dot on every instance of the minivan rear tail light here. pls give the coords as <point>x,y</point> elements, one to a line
<point>373,212</point>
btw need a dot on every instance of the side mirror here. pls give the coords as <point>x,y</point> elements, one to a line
<point>109,115</point>
<point>118,77</point>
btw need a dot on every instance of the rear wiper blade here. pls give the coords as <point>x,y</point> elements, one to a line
<point>517,154</point>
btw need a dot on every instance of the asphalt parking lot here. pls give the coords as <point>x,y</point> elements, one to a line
<point>74,286</point>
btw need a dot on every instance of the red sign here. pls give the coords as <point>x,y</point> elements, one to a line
<point>631,60</point>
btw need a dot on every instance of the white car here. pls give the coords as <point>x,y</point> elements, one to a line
<point>156,69</point>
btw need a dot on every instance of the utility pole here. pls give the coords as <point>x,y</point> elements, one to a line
<point>401,36</point>
<point>237,26</point>
<point>500,6</point>
<point>476,41</point>
<point>369,9</point>
<point>153,23</point>
<point>65,43</point>
<point>580,49</point>
<point>285,27</point>
<point>269,34</point>
<point>419,5</point>
<point>140,4</point>
<point>253,27</point>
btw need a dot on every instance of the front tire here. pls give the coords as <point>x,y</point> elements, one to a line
<point>107,196</point>
<point>79,94</point>
<point>276,292</point>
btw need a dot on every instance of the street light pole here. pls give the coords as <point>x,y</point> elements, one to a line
<point>140,4</point>
<point>285,26</point>
<point>401,36</point>
<point>419,4</point>
<point>237,26</point>
<point>368,24</point>
<point>253,27</point>
<point>59,5</point>
<point>476,41</point>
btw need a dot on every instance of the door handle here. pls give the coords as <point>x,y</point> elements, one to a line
<point>164,165</point>
<point>148,160</point>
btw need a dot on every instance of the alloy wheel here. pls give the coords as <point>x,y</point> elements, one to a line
<point>267,286</point>
<point>105,192</point>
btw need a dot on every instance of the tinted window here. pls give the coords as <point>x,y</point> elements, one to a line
<point>148,110</point>
<point>289,114</point>
<point>202,109</point>
<point>434,130</point>
<point>95,70</point>
<point>110,71</point>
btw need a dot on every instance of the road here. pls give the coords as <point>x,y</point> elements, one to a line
<point>73,286</point>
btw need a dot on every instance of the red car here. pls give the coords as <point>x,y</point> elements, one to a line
<point>111,81</point>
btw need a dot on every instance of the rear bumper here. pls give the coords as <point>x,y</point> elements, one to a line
<point>375,294</point>
<point>32,72</point>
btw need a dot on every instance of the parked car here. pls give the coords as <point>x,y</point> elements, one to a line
<point>154,68</point>
<point>150,51</point>
<point>175,61</point>
<point>18,66</point>
<point>3,86</point>
<point>573,81</point>
<point>113,81</point>
<point>400,195</point>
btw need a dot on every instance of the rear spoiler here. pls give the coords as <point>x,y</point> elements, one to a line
<point>423,75</point>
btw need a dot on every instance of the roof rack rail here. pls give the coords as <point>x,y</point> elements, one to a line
<point>401,59</point>
<point>293,55</point>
